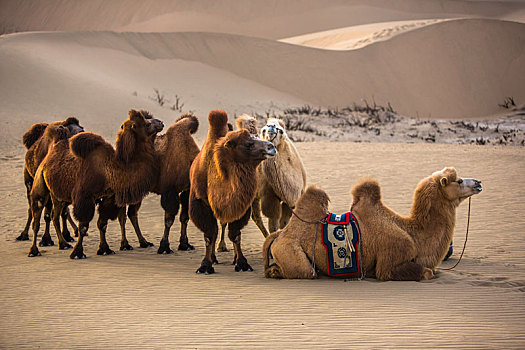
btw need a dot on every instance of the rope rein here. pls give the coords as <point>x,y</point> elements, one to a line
<point>466,238</point>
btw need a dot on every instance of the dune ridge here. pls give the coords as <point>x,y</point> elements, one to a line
<point>461,69</point>
<point>260,18</point>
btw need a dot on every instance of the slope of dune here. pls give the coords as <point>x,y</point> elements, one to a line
<point>261,18</point>
<point>453,69</point>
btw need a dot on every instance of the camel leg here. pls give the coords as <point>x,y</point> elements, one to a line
<point>291,260</point>
<point>103,247</point>
<point>286,213</point>
<point>65,231</point>
<point>221,246</point>
<point>133,215</point>
<point>39,197</point>
<point>124,244</point>
<point>256,216</point>
<point>107,210</point>
<point>271,208</point>
<point>72,222</point>
<point>411,271</point>
<point>58,209</point>
<point>202,216</point>
<point>36,207</point>
<point>234,234</point>
<point>170,202</point>
<point>46,240</point>
<point>184,217</point>
<point>28,182</point>
<point>78,251</point>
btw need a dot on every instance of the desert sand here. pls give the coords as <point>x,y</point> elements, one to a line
<point>443,66</point>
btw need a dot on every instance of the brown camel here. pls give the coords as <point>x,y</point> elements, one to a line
<point>174,152</point>
<point>37,141</point>
<point>223,185</point>
<point>393,247</point>
<point>93,171</point>
<point>249,123</point>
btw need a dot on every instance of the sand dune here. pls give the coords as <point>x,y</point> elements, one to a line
<point>460,69</point>
<point>268,19</point>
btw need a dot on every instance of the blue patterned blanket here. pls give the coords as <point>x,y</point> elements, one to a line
<point>342,245</point>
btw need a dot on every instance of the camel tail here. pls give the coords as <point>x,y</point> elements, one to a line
<point>84,143</point>
<point>270,271</point>
<point>191,121</point>
<point>33,134</point>
<point>367,188</point>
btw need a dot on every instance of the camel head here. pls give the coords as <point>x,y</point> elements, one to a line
<point>133,132</point>
<point>245,121</point>
<point>153,125</point>
<point>57,132</point>
<point>73,126</point>
<point>274,131</point>
<point>246,148</point>
<point>456,188</point>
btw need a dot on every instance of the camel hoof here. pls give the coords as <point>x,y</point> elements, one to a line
<point>146,244</point>
<point>185,246</point>
<point>222,248</point>
<point>428,274</point>
<point>105,251</point>
<point>126,247</point>
<point>64,246</point>
<point>77,254</point>
<point>206,268</point>
<point>34,252</point>
<point>23,237</point>
<point>46,242</point>
<point>164,248</point>
<point>242,265</point>
<point>68,237</point>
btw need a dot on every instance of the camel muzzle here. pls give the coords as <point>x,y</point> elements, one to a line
<point>270,149</point>
<point>474,184</point>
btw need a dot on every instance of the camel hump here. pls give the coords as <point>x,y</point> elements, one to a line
<point>367,187</point>
<point>33,134</point>
<point>190,121</point>
<point>218,119</point>
<point>84,143</point>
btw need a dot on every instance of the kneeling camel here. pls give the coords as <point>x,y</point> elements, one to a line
<point>393,247</point>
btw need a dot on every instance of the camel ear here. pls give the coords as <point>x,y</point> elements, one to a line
<point>231,143</point>
<point>443,181</point>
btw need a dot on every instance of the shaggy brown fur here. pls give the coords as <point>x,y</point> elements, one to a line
<point>393,247</point>
<point>249,123</point>
<point>93,170</point>
<point>223,185</point>
<point>37,141</point>
<point>174,153</point>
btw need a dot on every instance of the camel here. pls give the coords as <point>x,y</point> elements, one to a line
<point>223,185</point>
<point>37,141</point>
<point>86,169</point>
<point>282,179</point>
<point>174,152</point>
<point>249,123</point>
<point>393,247</point>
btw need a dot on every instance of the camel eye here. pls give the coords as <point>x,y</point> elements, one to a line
<point>460,181</point>
<point>281,131</point>
<point>249,145</point>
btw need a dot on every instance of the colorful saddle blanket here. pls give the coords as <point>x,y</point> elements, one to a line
<point>342,245</point>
